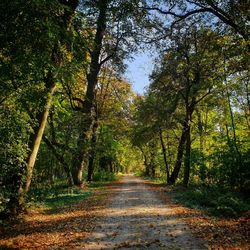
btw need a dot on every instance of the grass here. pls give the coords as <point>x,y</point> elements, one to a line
<point>65,199</point>
<point>58,195</point>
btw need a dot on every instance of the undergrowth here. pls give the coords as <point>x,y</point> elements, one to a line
<point>104,176</point>
<point>214,200</point>
<point>58,194</point>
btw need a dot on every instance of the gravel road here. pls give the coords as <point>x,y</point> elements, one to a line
<point>137,218</point>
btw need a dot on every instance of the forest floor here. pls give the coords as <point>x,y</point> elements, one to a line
<point>128,214</point>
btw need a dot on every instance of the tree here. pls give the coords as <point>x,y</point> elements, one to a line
<point>113,104</point>
<point>233,14</point>
<point>188,73</point>
<point>36,72</point>
<point>113,28</point>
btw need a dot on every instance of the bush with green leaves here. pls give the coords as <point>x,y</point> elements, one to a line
<point>214,200</point>
<point>102,175</point>
<point>14,129</point>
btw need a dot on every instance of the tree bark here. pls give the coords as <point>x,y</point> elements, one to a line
<point>238,153</point>
<point>92,77</point>
<point>187,158</point>
<point>177,166</point>
<point>235,144</point>
<point>60,158</point>
<point>92,152</point>
<point>146,164</point>
<point>43,116</point>
<point>164,155</point>
<point>36,139</point>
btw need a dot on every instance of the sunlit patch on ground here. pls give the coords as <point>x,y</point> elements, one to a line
<point>137,216</point>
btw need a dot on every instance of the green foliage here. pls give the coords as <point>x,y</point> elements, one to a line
<point>65,199</point>
<point>227,169</point>
<point>103,175</point>
<point>14,130</point>
<point>35,42</point>
<point>214,200</point>
<point>198,164</point>
<point>56,196</point>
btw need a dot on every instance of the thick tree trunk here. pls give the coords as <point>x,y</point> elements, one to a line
<point>92,77</point>
<point>187,158</point>
<point>164,155</point>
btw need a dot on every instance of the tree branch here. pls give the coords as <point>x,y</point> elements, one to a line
<point>209,92</point>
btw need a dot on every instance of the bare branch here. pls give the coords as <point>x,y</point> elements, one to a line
<point>190,13</point>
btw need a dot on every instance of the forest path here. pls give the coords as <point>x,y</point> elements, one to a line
<point>137,218</point>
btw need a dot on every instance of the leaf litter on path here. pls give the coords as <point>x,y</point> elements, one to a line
<point>130,214</point>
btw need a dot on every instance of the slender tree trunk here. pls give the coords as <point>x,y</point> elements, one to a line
<point>95,66</point>
<point>92,152</point>
<point>36,141</point>
<point>60,158</point>
<point>152,167</point>
<point>238,153</point>
<point>90,167</point>
<point>200,129</point>
<point>164,155</point>
<point>187,158</point>
<point>177,166</point>
<point>152,148</point>
<point>43,116</point>
<point>146,164</point>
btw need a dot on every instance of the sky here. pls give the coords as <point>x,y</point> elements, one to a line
<point>138,71</point>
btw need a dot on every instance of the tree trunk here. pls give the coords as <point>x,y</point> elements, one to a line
<point>61,160</point>
<point>146,164</point>
<point>152,168</point>
<point>43,116</point>
<point>92,152</point>
<point>200,129</point>
<point>95,66</point>
<point>177,166</point>
<point>90,168</point>
<point>187,158</point>
<point>77,170</point>
<point>238,153</point>
<point>36,140</point>
<point>164,155</point>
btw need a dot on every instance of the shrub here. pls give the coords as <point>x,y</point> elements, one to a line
<point>214,200</point>
<point>104,176</point>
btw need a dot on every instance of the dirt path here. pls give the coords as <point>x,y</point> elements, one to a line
<point>137,218</point>
<point>127,214</point>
